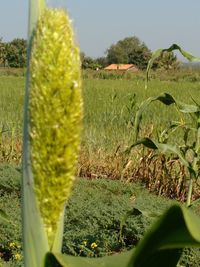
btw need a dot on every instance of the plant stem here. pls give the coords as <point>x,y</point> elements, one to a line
<point>189,196</point>
<point>35,9</point>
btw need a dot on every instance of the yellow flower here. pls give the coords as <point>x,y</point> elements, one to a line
<point>12,244</point>
<point>93,245</point>
<point>84,243</point>
<point>17,256</point>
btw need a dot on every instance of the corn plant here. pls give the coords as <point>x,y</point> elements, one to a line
<point>164,147</point>
<point>52,123</point>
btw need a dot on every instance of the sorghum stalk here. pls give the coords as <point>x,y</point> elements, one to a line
<point>53,111</point>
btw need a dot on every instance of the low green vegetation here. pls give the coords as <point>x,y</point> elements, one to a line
<point>102,217</point>
<point>110,107</point>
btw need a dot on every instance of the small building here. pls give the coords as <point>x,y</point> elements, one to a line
<point>121,67</point>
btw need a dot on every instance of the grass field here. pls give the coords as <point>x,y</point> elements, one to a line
<point>109,111</point>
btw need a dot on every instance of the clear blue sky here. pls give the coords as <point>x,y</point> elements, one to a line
<point>100,23</point>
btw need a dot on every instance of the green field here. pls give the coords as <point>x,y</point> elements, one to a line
<point>109,112</point>
<point>107,107</point>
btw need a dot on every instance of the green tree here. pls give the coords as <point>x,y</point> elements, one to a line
<point>16,53</point>
<point>129,50</point>
<point>2,53</point>
<point>88,62</point>
<point>102,61</point>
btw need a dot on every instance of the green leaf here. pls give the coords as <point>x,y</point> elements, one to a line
<point>178,228</point>
<point>164,149</point>
<point>160,51</point>
<point>166,99</point>
<point>147,142</point>
<point>118,260</point>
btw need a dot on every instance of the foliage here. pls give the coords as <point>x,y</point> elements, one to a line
<point>43,223</point>
<point>2,53</point>
<point>87,222</point>
<point>108,131</point>
<point>84,221</point>
<point>13,54</point>
<point>89,63</point>
<point>9,178</point>
<point>102,225</point>
<point>129,50</point>
<point>167,61</point>
<point>16,53</point>
<point>162,145</point>
<point>17,72</point>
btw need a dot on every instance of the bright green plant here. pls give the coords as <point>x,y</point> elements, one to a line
<point>191,163</point>
<point>162,145</point>
<point>51,141</point>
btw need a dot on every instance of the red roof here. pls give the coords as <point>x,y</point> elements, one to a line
<point>120,67</point>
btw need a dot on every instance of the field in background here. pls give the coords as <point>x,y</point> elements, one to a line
<point>109,112</point>
<point>110,104</point>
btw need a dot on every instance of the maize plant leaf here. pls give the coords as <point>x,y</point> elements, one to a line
<point>178,228</point>
<point>147,142</point>
<point>164,149</point>
<point>61,260</point>
<point>166,99</point>
<point>160,51</point>
<point>185,108</point>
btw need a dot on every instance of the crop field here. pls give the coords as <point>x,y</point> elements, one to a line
<point>109,112</point>
<point>110,108</point>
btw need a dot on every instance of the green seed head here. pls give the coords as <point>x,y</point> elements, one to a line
<point>55,114</point>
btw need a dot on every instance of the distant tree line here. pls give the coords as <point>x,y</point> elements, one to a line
<point>130,50</point>
<point>13,54</point>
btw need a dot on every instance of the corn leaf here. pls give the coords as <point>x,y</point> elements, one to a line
<point>178,228</point>
<point>164,149</point>
<point>62,260</point>
<point>166,99</point>
<point>160,51</point>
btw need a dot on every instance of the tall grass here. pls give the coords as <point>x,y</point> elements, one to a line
<point>11,103</point>
<point>109,109</point>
